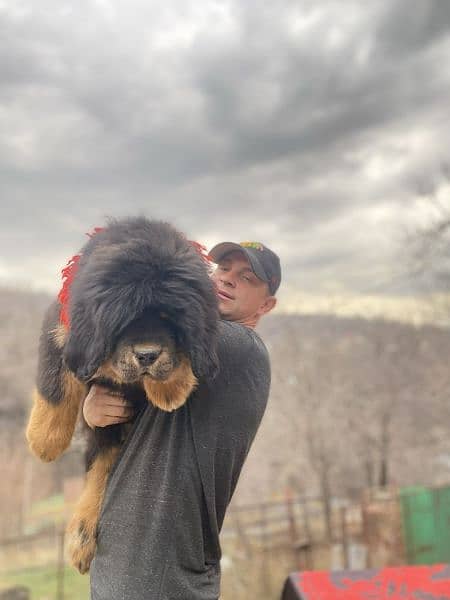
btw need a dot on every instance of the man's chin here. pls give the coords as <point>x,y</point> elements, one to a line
<point>225,312</point>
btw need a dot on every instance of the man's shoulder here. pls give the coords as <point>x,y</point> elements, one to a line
<point>235,399</point>
<point>241,344</point>
<point>235,334</point>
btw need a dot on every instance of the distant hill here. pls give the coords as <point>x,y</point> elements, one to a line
<point>21,314</point>
<point>335,383</point>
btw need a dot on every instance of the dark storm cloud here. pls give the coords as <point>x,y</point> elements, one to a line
<point>407,27</point>
<point>311,126</point>
<point>321,95</point>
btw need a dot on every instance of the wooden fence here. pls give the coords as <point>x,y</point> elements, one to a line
<point>261,543</point>
<point>295,524</point>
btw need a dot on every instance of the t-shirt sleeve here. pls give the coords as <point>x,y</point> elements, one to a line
<point>226,413</point>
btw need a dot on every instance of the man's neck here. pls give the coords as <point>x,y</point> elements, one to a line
<point>249,322</point>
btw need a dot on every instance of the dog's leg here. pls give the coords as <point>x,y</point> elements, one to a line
<point>50,428</point>
<point>57,396</point>
<point>82,528</point>
<point>172,393</point>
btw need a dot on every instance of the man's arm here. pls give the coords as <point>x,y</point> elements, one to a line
<point>102,408</point>
<point>225,415</point>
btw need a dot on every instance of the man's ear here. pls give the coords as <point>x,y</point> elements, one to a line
<point>268,304</point>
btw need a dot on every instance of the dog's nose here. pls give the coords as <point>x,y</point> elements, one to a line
<point>147,357</point>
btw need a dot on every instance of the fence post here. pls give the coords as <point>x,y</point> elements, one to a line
<point>293,534</point>
<point>241,533</point>
<point>365,504</point>
<point>309,561</point>
<point>60,566</point>
<point>265,568</point>
<point>344,536</point>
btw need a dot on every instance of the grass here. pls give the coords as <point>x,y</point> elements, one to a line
<point>50,504</point>
<point>45,513</point>
<point>41,580</point>
<point>43,583</point>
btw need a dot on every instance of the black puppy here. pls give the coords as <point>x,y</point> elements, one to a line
<point>138,314</point>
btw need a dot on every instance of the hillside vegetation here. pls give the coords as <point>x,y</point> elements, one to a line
<point>353,403</point>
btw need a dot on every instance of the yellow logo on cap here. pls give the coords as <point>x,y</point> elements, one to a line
<point>255,245</point>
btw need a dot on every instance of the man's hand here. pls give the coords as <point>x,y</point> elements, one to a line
<point>102,408</point>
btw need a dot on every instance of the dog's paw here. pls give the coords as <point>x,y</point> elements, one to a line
<point>81,544</point>
<point>168,403</point>
<point>47,448</point>
<point>171,394</point>
<point>171,405</point>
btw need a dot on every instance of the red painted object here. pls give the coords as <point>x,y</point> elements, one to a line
<point>395,583</point>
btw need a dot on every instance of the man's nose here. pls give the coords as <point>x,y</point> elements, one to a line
<point>228,279</point>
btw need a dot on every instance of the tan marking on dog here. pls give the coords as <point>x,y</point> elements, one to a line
<point>107,371</point>
<point>82,529</point>
<point>50,427</point>
<point>172,393</point>
<point>59,335</point>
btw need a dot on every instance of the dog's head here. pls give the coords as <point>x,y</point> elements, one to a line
<point>148,347</point>
<point>148,354</point>
<point>143,307</point>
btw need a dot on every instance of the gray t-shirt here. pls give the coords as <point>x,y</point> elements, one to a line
<point>166,498</point>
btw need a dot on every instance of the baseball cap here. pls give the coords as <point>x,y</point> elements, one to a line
<point>264,262</point>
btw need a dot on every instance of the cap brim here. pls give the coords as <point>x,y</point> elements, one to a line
<point>219,251</point>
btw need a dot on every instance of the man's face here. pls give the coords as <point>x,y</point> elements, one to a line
<point>241,294</point>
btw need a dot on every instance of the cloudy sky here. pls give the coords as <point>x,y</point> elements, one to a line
<point>318,127</point>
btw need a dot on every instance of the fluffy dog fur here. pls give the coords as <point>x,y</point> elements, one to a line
<point>143,317</point>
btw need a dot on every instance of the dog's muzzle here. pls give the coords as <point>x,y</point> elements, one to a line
<point>146,358</point>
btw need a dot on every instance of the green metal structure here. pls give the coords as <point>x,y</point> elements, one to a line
<point>426,524</point>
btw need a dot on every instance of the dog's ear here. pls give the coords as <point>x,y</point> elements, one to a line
<point>197,330</point>
<point>97,321</point>
<point>83,359</point>
<point>204,361</point>
<point>86,347</point>
<point>197,315</point>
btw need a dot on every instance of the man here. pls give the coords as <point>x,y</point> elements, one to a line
<point>158,534</point>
